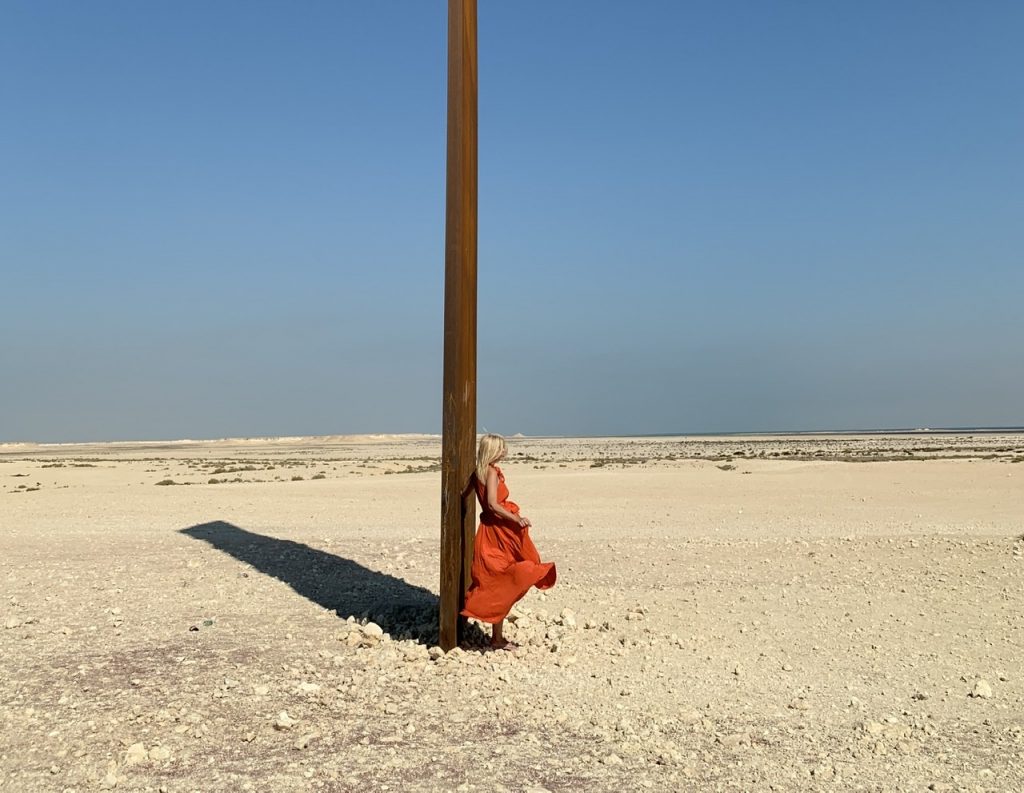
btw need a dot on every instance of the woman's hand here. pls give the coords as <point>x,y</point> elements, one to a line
<point>524,522</point>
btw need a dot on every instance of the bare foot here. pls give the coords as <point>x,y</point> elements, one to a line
<point>504,645</point>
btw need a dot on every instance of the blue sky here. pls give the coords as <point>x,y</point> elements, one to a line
<point>227,219</point>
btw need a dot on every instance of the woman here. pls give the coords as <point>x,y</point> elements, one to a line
<point>505,562</point>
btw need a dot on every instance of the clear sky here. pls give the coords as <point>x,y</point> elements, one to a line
<point>227,219</point>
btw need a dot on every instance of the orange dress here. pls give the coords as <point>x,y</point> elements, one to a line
<point>505,562</point>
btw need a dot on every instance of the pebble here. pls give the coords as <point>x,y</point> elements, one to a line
<point>136,754</point>
<point>415,652</point>
<point>373,631</point>
<point>284,721</point>
<point>159,754</point>
<point>735,740</point>
<point>982,690</point>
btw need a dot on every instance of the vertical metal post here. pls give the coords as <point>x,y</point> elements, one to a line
<point>458,444</point>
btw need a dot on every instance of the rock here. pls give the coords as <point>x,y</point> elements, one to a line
<point>159,754</point>
<point>735,740</point>
<point>12,622</point>
<point>136,754</point>
<point>305,740</point>
<point>611,759</point>
<point>981,690</point>
<point>940,787</point>
<point>308,688</point>
<point>261,691</point>
<point>568,619</point>
<point>284,721</point>
<point>435,652</point>
<point>372,630</point>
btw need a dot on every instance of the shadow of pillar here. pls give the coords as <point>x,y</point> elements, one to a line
<point>346,587</point>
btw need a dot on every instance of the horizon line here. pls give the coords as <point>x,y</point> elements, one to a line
<point>382,436</point>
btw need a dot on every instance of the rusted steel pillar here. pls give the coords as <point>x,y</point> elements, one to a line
<point>458,444</point>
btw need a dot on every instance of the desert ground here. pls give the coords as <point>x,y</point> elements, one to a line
<point>732,614</point>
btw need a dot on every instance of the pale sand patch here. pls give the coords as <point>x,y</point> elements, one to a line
<point>791,620</point>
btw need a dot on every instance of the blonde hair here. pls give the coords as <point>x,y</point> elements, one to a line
<point>491,448</point>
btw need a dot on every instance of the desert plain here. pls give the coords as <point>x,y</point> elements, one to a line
<point>732,614</point>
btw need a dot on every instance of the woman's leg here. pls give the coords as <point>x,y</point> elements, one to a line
<point>497,639</point>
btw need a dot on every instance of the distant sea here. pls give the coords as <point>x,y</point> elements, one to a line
<point>888,431</point>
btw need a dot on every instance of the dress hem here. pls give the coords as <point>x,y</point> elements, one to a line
<point>548,571</point>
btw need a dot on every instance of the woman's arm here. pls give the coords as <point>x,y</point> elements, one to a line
<point>495,506</point>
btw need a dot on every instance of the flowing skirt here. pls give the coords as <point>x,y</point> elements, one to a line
<point>505,565</point>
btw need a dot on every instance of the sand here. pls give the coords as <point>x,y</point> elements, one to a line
<point>813,613</point>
